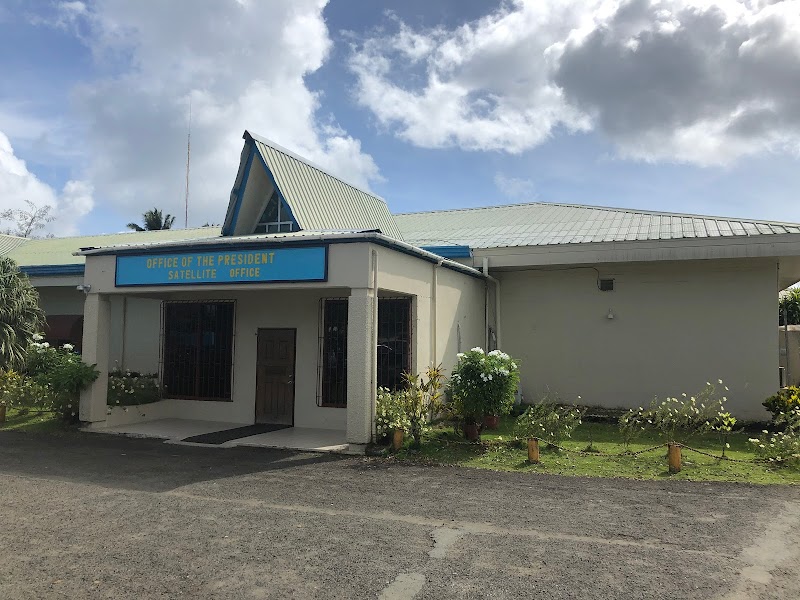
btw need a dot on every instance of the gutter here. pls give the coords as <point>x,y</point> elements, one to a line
<point>333,238</point>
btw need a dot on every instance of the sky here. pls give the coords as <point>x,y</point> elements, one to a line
<point>672,105</point>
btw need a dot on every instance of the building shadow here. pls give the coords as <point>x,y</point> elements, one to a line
<point>120,462</point>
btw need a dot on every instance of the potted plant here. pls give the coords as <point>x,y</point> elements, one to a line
<point>391,421</point>
<point>483,387</point>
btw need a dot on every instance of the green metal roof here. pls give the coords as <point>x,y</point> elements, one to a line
<point>59,251</point>
<point>320,201</point>
<point>9,242</point>
<point>540,224</point>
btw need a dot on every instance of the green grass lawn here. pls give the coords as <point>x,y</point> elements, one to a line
<point>443,446</point>
<point>41,422</point>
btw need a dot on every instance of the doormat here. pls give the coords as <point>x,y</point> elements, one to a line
<point>226,435</point>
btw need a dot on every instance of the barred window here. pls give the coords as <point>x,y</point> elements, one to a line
<point>394,341</point>
<point>198,350</point>
<point>333,353</point>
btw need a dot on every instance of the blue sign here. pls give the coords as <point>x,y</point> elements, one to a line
<point>224,266</point>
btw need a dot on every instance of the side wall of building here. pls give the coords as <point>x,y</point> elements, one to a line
<point>674,327</point>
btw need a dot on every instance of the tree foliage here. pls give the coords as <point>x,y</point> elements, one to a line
<point>154,220</point>
<point>26,222</point>
<point>789,302</point>
<point>20,315</point>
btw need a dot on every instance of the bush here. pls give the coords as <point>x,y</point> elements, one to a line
<point>61,371</point>
<point>128,388</point>
<point>675,418</point>
<point>781,447</point>
<point>484,384</point>
<point>390,413</point>
<point>784,401</point>
<point>19,391</point>
<point>549,421</point>
<point>422,399</point>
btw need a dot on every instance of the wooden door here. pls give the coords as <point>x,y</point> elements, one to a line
<point>275,364</point>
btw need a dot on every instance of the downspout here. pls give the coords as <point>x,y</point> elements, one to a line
<point>486,305</point>
<point>496,305</point>
<point>374,339</point>
<point>434,311</point>
<point>122,360</point>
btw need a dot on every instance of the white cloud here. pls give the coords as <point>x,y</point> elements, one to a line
<point>241,63</point>
<point>515,188</point>
<point>665,80</point>
<point>18,184</point>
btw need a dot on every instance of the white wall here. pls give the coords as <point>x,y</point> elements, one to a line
<point>459,306</point>
<point>61,300</point>
<point>675,326</point>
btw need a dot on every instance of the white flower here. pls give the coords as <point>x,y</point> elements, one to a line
<point>37,337</point>
<point>45,344</point>
<point>68,347</point>
<point>460,355</point>
<point>477,349</point>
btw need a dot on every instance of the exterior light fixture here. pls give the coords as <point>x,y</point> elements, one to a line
<point>610,315</point>
<point>84,287</point>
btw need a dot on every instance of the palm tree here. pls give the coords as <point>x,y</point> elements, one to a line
<point>20,315</point>
<point>153,221</point>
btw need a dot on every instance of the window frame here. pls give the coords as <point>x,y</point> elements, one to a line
<point>282,224</point>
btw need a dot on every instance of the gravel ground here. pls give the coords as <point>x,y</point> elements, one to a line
<point>93,516</point>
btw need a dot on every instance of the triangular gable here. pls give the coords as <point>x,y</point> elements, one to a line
<point>315,199</point>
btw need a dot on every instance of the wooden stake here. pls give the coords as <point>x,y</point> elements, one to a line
<point>533,451</point>
<point>674,456</point>
<point>397,439</point>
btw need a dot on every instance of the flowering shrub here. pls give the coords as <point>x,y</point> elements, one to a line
<point>62,371</point>
<point>548,421</point>
<point>390,413</point>
<point>19,391</point>
<point>127,388</point>
<point>723,424</point>
<point>781,447</point>
<point>631,424</point>
<point>682,417</point>
<point>484,384</point>
<point>784,401</point>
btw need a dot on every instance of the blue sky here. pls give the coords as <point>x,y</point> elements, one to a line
<point>430,104</point>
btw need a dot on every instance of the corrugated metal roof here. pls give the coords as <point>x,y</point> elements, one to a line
<point>321,201</point>
<point>540,224</point>
<point>9,242</point>
<point>58,251</point>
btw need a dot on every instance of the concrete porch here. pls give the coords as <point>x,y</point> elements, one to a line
<point>175,431</point>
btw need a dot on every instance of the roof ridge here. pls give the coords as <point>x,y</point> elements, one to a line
<point>93,235</point>
<point>602,208</point>
<point>277,147</point>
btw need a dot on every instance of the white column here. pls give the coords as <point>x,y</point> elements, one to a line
<point>96,348</point>
<point>360,366</point>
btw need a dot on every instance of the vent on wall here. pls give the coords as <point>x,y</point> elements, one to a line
<point>606,285</point>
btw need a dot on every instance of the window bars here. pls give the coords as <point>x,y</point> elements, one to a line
<point>332,361</point>
<point>197,349</point>
<point>394,341</point>
<point>394,347</point>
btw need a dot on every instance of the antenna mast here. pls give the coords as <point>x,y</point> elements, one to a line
<point>188,156</point>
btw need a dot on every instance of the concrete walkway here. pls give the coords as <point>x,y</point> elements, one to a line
<point>177,430</point>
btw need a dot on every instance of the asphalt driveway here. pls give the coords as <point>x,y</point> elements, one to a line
<point>91,516</point>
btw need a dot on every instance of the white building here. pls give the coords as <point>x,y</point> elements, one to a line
<point>312,294</point>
